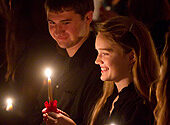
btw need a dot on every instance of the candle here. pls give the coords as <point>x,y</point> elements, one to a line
<point>48,74</point>
<point>50,90</point>
<point>9,106</point>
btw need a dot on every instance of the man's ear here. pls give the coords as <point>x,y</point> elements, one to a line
<point>89,17</point>
<point>132,57</point>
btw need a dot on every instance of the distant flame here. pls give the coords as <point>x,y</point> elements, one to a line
<point>9,104</point>
<point>112,124</point>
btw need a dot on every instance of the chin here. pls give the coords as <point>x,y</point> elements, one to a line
<point>63,47</point>
<point>106,78</point>
<point>103,78</point>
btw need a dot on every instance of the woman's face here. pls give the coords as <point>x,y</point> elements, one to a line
<point>113,61</point>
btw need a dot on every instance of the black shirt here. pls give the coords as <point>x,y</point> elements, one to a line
<point>79,86</point>
<point>130,109</point>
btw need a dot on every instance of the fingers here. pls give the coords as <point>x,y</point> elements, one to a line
<point>50,120</point>
<point>58,119</point>
<point>44,110</point>
<point>53,115</point>
<point>60,111</point>
<point>63,113</point>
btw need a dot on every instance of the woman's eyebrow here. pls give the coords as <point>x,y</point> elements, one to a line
<point>106,49</point>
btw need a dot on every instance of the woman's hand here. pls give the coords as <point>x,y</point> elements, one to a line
<point>61,118</point>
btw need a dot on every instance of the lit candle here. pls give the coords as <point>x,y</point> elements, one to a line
<point>48,74</point>
<point>112,124</point>
<point>9,106</point>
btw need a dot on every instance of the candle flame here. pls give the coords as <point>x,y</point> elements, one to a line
<point>112,124</point>
<point>9,104</point>
<point>48,72</point>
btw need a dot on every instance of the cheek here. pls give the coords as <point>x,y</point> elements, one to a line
<point>51,29</point>
<point>77,28</point>
<point>83,30</point>
<point>115,64</point>
<point>52,32</point>
<point>123,66</point>
<point>73,32</point>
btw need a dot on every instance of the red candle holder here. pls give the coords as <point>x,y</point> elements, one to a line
<point>51,107</point>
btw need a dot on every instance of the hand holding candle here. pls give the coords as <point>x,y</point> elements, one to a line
<point>52,105</point>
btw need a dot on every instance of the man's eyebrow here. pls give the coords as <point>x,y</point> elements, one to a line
<point>66,20</point>
<point>49,20</point>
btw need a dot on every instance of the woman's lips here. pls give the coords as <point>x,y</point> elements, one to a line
<point>103,69</point>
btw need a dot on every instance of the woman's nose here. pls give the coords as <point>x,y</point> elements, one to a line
<point>98,60</point>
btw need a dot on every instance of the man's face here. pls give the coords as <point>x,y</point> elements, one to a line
<point>67,28</point>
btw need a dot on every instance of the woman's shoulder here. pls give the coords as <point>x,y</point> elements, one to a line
<point>134,109</point>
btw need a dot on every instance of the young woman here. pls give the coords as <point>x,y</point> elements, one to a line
<point>129,64</point>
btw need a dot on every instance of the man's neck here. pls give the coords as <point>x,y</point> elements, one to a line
<point>72,50</point>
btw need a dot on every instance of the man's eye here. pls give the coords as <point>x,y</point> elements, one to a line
<point>66,23</point>
<point>51,22</point>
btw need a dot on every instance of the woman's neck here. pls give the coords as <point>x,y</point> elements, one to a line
<point>123,83</point>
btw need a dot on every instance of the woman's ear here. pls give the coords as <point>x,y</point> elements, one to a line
<point>89,17</point>
<point>132,57</point>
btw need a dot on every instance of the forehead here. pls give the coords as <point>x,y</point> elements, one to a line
<point>62,15</point>
<point>103,42</point>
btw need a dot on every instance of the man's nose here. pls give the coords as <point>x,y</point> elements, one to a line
<point>59,29</point>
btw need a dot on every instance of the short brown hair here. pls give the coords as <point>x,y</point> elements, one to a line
<point>79,6</point>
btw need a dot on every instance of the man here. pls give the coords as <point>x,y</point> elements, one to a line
<point>79,86</point>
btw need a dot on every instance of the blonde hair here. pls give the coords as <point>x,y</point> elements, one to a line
<point>107,91</point>
<point>134,37</point>
<point>162,110</point>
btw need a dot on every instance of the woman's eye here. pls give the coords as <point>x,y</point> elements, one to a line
<point>104,54</point>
